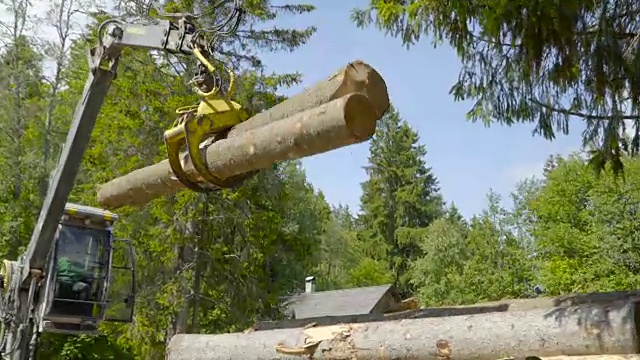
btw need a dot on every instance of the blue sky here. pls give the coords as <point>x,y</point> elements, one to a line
<point>468,158</point>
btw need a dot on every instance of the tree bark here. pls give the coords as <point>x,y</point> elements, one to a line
<point>607,328</point>
<point>348,120</point>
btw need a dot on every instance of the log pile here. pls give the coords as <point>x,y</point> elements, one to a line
<point>577,327</point>
<point>334,113</point>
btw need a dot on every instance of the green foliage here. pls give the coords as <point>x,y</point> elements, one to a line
<point>573,231</point>
<point>335,255</point>
<point>587,230</point>
<point>369,272</point>
<point>63,347</point>
<point>436,275</point>
<point>535,62</point>
<point>466,264</point>
<point>21,100</point>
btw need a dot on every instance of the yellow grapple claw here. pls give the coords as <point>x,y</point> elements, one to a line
<point>174,139</point>
<point>213,117</point>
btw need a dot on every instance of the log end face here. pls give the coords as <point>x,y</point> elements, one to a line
<point>360,116</point>
<point>104,198</point>
<point>360,77</point>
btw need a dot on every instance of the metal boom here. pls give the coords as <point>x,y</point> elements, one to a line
<point>103,61</point>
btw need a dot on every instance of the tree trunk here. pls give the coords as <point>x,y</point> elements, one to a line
<point>580,326</point>
<point>348,120</point>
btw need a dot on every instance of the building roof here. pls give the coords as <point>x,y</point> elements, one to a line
<point>356,301</point>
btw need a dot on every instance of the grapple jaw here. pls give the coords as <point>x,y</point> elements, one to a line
<point>211,120</point>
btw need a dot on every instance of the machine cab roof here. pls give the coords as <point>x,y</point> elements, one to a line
<point>91,214</point>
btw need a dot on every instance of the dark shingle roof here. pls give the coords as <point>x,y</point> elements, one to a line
<point>356,301</point>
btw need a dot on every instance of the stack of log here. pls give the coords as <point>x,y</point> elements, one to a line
<point>337,112</point>
<point>601,326</point>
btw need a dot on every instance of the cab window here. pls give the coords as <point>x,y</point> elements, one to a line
<point>80,253</point>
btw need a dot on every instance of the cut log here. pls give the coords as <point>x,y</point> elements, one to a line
<point>348,120</point>
<point>356,77</point>
<point>608,328</point>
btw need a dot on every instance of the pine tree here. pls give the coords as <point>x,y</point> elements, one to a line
<point>401,192</point>
<point>20,123</point>
<point>453,213</point>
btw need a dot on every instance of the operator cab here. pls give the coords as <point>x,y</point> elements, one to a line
<point>91,277</point>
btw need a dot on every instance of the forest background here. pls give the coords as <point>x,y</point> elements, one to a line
<point>218,262</point>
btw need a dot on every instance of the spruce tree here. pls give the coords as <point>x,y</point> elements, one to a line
<point>401,192</point>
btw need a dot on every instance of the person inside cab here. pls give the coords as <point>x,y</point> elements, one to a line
<point>75,263</point>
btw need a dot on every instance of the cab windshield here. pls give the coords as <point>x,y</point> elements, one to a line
<point>80,253</point>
